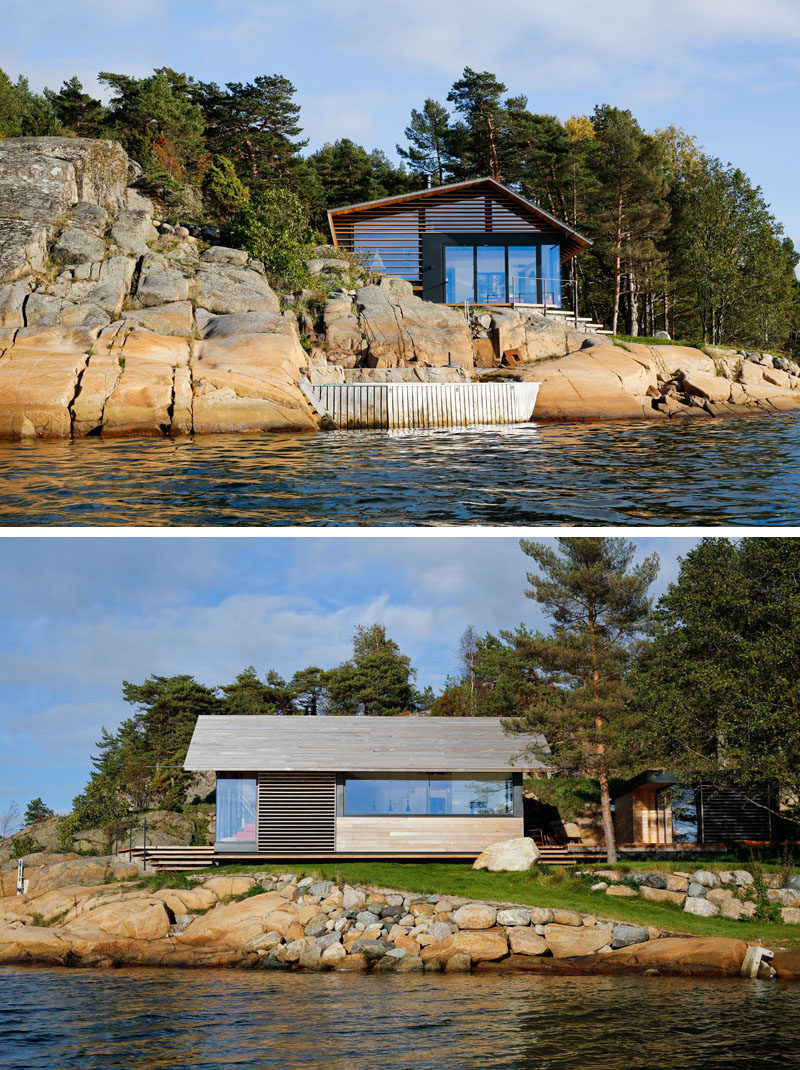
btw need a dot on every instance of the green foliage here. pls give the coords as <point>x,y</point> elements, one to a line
<point>377,681</point>
<point>766,910</point>
<point>223,191</point>
<point>718,686</point>
<point>159,125</point>
<point>428,135</point>
<point>76,112</point>
<point>571,796</point>
<point>37,810</point>
<point>273,228</point>
<point>24,845</point>
<point>248,694</point>
<point>67,828</point>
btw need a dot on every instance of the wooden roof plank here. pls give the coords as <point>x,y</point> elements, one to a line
<point>358,744</point>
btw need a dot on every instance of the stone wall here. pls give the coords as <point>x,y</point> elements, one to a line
<point>279,920</point>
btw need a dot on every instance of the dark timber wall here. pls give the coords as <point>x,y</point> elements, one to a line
<point>727,815</point>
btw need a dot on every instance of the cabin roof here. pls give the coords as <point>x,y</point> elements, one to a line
<point>231,743</point>
<point>576,242</point>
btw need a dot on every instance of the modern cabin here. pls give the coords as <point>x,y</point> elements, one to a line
<point>362,786</point>
<point>476,241</point>
<point>651,810</point>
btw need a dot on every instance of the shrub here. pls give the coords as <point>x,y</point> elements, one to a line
<point>273,228</point>
<point>24,845</point>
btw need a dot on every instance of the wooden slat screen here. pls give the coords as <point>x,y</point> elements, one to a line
<point>297,813</point>
<point>727,815</point>
<point>394,231</point>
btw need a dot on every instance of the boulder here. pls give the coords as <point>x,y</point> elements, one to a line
<point>475,916</point>
<point>221,254</point>
<point>703,908</point>
<point>625,935</point>
<point>517,855</point>
<point>402,329</point>
<point>514,916</point>
<point>710,387</point>
<point>139,919</point>
<point>174,318</point>
<point>525,941</point>
<point>662,894</point>
<point>233,924</point>
<point>227,887</point>
<point>162,287</point>
<point>12,301</point>
<point>226,288</point>
<point>77,246</point>
<point>620,891</point>
<point>706,956</point>
<point>786,964</point>
<point>480,946</point>
<point>132,230</point>
<point>706,878</point>
<point>568,941</point>
<point>87,216</point>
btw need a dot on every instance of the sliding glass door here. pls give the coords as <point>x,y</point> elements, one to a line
<point>491,274</point>
<point>459,273</point>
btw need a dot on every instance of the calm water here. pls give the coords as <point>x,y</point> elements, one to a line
<point>166,1019</point>
<point>739,470</point>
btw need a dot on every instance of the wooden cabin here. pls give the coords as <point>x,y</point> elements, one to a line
<point>362,786</point>
<point>476,241</point>
<point>652,809</point>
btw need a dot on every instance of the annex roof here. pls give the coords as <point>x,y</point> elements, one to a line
<point>231,743</point>
<point>574,243</point>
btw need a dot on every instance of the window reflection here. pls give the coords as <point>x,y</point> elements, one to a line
<point>551,275</point>
<point>491,273</point>
<point>237,809</point>
<point>523,281</point>
<point>440,794</point>
<point>459,273</point>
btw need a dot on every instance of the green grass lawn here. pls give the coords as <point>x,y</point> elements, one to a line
<point>552,888</point>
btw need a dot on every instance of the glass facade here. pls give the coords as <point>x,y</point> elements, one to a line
<point>459,271</point>
<point>237,809</point>
<point>523,274</point>
<point>435,795</point>
<point>495,274</point>
<point>551,276</point>
<point>491,273</point>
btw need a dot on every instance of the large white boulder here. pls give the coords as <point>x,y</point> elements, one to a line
<point>512,855</point>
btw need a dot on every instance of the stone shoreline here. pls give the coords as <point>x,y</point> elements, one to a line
<point>90,912</point>
<point>115,323</point>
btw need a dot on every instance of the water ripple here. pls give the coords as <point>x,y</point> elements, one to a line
<point>739,470</point>
<point>161,1019</point>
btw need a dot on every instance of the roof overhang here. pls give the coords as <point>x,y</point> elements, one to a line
<point>231,743</point>
<point>577,242</point>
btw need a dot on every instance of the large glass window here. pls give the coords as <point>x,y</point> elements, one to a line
<point>237,809</point>
<point>551,275</point>
<point>522,274</point>
<point>438,794</point>
<point>491,264</point>
<point>459,273</point>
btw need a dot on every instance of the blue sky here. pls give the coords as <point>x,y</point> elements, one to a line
<point>725,70</point>
<point>82,614</point>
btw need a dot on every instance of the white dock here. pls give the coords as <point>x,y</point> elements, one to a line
<point>352,406</point>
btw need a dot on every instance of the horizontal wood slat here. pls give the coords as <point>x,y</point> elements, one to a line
<point>422,835</point>
<point>297,812</point>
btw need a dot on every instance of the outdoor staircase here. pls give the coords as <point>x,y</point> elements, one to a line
<point>170,859</point>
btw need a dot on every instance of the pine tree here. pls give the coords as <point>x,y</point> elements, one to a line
<point>37,810</point>
<point>76,112</point>
<point>632,211</point>
<point>428,135</point>
<point>310,688</point>
<point>597,600</point>
<point>254,124</point>
<point>476,139</point>
<point>376,681</point>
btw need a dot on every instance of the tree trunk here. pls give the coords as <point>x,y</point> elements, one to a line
<point>617,262</point>
<point>605,793</point>
<point>608,820</point>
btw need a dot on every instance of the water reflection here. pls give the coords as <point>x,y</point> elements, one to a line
<point>162,1019</point>
<point>726,471</point>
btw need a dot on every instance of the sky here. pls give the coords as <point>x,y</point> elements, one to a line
<point>81,615</point>
<point>727,71</point>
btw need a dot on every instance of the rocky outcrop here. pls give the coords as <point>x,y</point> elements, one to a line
<point>109,326</point>
<point>631,381</point>
<point>72,915</point>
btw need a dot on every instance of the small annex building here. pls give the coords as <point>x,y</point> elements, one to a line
<point>363,786</point>
<point>476,241</point>
<point>653,809</point>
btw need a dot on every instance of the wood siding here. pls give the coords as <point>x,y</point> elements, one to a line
<point>297,813</point>
<point>727,815</point>
<point>394,227</point>
<point>423,835</point>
